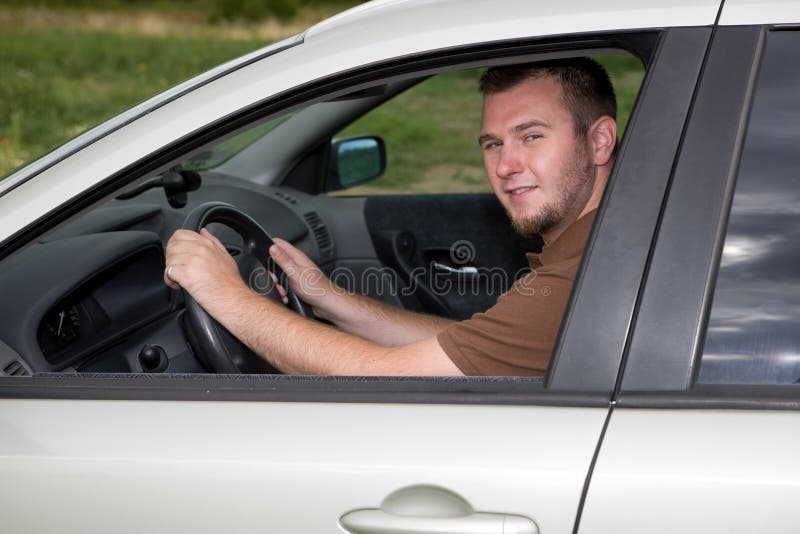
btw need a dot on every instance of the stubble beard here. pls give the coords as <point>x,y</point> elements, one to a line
<point>574,189</point>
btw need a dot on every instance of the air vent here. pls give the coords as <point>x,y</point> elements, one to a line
<point>16,368</point>
<point>286,197</point>
<point>321,234</point>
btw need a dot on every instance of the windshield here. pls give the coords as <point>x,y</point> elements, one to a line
<point>218,154</point>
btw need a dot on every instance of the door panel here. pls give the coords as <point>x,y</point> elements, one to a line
<point>696,471</point>
<point>454,253</point>
<point>173,466</point>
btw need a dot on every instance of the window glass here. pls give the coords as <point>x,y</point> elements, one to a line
<point>111,315</point>
<point>221,152</point>
<point>431,134</point>
<point>753,334</point>
<point>431,131</point>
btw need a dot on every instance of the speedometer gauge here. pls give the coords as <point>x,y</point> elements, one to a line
<point>59,329</point>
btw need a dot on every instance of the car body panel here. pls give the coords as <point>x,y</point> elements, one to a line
<point>696,471</point>
<point>623,237</point>
<point>279,467</point>
<point>158,464</point>
<point>677,455</point>
<point>736,12</point>
<point>328,49</point>
<point>662,349</point>
<point>385,23</point>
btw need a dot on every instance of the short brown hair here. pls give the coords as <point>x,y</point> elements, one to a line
<point>588,93</point>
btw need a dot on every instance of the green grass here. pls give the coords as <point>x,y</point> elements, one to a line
<point>59,83</point>
<point>60,80</point>
<point>431,131</point>
<point>213,11</point>
<point>626,74</point>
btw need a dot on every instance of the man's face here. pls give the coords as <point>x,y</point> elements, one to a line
<point>537,167</point>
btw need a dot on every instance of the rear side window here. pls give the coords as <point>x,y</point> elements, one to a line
<point>754,327</point>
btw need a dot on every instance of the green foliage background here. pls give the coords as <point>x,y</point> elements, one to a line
<point>61,79</point>
<point>216,10</point>
<point>59,84</point>
<point>62,75</point>
<point>431,131</point>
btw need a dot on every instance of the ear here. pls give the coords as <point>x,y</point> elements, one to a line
<point>602,136</point>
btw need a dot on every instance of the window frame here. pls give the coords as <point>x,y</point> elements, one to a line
<point>665,350</point>
<point>575,378</point>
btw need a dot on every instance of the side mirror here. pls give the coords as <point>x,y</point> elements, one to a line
<point>355,161</point>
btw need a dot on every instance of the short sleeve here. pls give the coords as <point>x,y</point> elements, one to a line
<point>515,337</point>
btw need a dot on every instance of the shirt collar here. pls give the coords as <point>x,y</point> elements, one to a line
<point>569,244</point>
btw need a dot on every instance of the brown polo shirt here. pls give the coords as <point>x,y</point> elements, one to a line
<point>516,336</point>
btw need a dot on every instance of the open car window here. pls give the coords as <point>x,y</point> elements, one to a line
<point>109,311</point>
<point>431,131</point>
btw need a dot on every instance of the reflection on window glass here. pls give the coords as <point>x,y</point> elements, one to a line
<point>754,329</point>
<point>358,161</point>
<point>221,152</point>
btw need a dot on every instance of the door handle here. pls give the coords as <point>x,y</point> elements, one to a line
<point>432,510</point>
<point>465,270</point>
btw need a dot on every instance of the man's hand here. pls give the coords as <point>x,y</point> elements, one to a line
<point>364,317</point>
<point>307,280</point>
<point>200,264</point>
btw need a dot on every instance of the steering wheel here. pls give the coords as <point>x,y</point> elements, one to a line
<point>214,346</point>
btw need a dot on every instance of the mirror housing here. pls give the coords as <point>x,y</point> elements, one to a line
<point>355,161</point>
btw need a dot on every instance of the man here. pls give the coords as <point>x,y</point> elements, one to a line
<point>548,136</point>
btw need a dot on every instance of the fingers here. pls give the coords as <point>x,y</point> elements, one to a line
<point>214,240</point>
<point>175,269</point>
<point>284,261</point>
<point>281,290</point>
<point>176,256</point>
<point>197,259</point>
<point>188,243</point>
<point>169,273</point>
<point>278,253</point>
<point>304,277</point>
<point>294,254</point>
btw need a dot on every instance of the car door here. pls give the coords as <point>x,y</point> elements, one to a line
<point>133,453</point>
<point>703,436</point>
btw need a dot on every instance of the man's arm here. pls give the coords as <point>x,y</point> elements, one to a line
<point>358,315</point>
<point>202,266</point>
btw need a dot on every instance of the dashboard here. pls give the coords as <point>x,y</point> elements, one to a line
<point>89,297</point>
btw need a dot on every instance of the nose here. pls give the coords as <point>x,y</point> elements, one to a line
<point>509,163</point>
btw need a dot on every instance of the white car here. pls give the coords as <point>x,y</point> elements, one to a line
<point>671,403</point>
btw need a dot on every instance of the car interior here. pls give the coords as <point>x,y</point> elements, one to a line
<point>89,296</point>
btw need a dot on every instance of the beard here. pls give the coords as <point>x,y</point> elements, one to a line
<point>572,194</point>
<point>544,221</point>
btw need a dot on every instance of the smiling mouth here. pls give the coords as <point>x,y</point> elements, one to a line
<point>520,191</point>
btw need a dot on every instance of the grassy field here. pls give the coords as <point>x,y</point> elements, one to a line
<point>431,131</point>
<point>47,100</point>
<point>66,70</point>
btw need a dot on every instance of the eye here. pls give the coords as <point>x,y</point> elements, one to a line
<point>490,145</point>
<point>532,137</point>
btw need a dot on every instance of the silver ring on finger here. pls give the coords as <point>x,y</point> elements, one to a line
<point>169,273</point>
